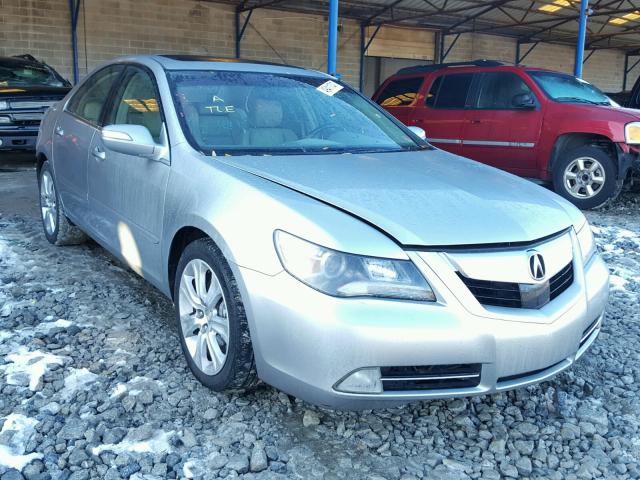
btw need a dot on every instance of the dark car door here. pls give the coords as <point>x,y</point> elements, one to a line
<point>126,192</point>
<point>73,133</point>
<point>442,114</point>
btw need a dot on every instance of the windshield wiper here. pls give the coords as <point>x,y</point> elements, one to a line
<point>580,100</point>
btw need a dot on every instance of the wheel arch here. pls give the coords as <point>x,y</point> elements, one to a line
<point>194,228</point>
<point>40,159</point>
<point>572,140</point>
<point>181,239</point>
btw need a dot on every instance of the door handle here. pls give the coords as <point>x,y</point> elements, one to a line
<point>475,121</point>
<point>99,154</point>
<point>59,131</point>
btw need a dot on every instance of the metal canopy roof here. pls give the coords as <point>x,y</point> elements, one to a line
<point>612,23</point>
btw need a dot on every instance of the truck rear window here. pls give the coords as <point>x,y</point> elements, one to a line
<point>400,93</point>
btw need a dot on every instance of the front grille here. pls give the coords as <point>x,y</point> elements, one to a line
<point>431,377</point>
<point>24,104</point>
<point>561,281</point>
<point>499,294</point>
<point>519,295</point>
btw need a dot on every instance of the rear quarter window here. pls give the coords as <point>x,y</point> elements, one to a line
<point>400,93</point>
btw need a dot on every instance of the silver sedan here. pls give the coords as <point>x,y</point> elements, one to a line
<point>310,240</point>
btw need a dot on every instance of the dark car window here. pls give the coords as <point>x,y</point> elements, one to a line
<point>88,101</point>
<point>136,103</point>
<point>498,89</point>
<point>453,90</point>
<point>400,93</point>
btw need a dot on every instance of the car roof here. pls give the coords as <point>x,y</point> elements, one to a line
<point>204,62</point>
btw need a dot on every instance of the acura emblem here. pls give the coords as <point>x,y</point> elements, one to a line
<point>536,265</point>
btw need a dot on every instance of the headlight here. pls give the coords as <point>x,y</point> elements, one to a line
<point>632,133</point>
<point>587,242</point>
<point>347,275</point>
<point>4,105</point>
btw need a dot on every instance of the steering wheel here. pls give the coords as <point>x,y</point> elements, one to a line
<point>327,127</point>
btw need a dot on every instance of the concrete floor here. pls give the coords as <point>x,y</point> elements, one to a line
<point>18,187</point>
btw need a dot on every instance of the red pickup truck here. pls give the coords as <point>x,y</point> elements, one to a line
<point>532,122</point>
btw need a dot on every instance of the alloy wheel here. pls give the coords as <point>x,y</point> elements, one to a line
<point>584,177</point>
<point>48,203</point>
<point>203,317</point>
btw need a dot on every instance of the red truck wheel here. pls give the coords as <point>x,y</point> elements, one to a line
<point>586,176</point>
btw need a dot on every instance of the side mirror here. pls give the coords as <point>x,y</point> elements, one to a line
<point>133,140</point>
<point>524,101</point>
<point>419,132</point>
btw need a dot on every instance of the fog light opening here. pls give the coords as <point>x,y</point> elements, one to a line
<point>365,380</point>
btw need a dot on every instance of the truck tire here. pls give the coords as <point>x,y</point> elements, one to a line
<point>587,177</point>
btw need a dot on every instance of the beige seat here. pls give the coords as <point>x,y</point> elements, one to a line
<point>265,124</point>
<point>91,110</point>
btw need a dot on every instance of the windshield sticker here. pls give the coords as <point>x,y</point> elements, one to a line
<point>330,88</point>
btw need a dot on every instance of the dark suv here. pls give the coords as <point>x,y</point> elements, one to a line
<point>27,89</point>
<point>532,122</point>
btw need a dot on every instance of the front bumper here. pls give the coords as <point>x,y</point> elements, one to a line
<point>305,342</point>
<point>18,139</point>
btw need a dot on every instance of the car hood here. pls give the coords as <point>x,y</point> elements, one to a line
<point>426,198</point>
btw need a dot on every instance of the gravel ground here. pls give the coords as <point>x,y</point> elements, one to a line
<point>94,385</point>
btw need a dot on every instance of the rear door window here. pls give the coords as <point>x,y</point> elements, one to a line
<point>400,93</point>
<point>453,90</point>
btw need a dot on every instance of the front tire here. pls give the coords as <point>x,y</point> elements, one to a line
<point>213,328</point>
<point>586,176</point>
<point>57,228</point>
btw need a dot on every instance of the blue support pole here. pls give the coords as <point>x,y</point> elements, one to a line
<point>332,53</point>
<point>582,33</point>
<point>74,10</point>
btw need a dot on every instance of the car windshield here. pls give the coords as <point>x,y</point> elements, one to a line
<point>21,74</point>
<point>567,88</point>
<point>246,113</point>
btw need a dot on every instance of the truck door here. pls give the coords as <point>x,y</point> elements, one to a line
<point>503,123</point>
<point>442,114</point>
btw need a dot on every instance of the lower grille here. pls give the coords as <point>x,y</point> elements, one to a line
<point>586,334</point>
<point>519,295</point>
<point>432,377</point>
<point>530,373</point>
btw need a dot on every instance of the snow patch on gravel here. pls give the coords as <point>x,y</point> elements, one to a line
<point>134,386</point>
<point>78,379</point>
<point>16,432</point>
<point>28,365</point>
<point>158,443</point>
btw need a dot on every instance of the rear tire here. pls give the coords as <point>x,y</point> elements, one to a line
<point>211,321</point>
<point>587,177</point>
<point>57,228</point>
